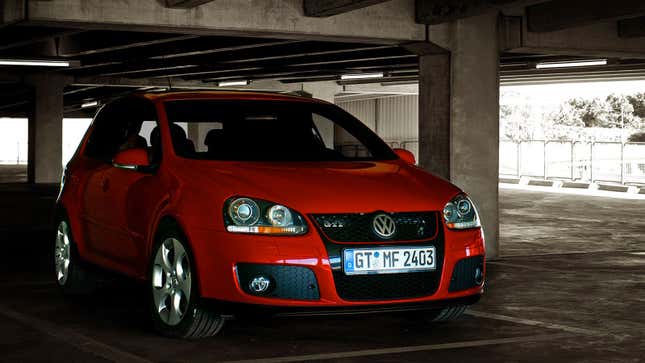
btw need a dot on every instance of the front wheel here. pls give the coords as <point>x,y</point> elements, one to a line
<point>174,297</point>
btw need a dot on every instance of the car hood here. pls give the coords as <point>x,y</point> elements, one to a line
<point>327,187</point>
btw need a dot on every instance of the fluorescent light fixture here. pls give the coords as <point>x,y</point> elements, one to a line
<point>90,104</point>
<point>233,83</point>
<point>361,76</point>
<point>34,63</point>
<point>580,63</point>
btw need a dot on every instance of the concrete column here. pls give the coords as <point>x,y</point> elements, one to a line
<point>46,129</point>
<point>434,114</point>
<point>474,130</point>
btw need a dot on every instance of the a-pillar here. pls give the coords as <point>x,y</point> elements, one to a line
<point>325,91</point>
<point>45,151</point>
<point>459,116</point>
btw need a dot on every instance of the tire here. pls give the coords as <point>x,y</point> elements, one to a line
<point>174,303</point>
<point>71,275</point>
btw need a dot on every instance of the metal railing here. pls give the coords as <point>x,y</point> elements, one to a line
<point>574,160</point>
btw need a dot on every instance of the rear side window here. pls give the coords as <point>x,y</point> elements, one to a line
<point>123,124</point>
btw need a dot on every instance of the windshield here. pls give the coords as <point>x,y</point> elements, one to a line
<point>263,130</point>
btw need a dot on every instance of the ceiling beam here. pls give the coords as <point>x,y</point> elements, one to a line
<point>22,36</point>
<point>325,8</point>
<point>563,14</point>
<point>185,4</point>
<point>265,55</point>
<point>383,61</point>
<point>97,42</point>
<point>175,53</point>
<point>632,28</point>
<point>432,12</point>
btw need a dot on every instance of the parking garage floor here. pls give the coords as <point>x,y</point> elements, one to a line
<point>569,287</point>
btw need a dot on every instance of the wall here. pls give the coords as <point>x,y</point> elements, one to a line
<point>395,119</point>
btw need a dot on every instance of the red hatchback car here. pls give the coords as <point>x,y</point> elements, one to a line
<point>225,201</point>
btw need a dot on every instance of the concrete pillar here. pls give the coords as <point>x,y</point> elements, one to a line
<point>474,131</point>
<point>434,114</point>
<point>46,129</point>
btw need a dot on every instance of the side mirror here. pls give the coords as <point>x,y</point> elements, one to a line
<point>406,156</point>
<point>131,159</point>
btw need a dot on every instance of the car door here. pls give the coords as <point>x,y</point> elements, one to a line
<point>105,135</point>
<point>134,197</point>
<point>118,201</point>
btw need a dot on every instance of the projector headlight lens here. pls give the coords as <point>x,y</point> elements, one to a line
<point>246,215</point>
<point>244,211</point>
<point>460,213</point>
<point>280,216</point>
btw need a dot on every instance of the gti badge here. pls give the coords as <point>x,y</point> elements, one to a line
<point>384,226</point>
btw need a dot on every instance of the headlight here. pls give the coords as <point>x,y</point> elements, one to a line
<point>460,213</point>
<point>246,215</point>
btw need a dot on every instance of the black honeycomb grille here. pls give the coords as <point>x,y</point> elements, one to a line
<point>463,275</point>
<point>357,227</point>
<point>287,282</point>
<point>386,286</point>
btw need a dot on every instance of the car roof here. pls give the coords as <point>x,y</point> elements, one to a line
<point>235,95</point>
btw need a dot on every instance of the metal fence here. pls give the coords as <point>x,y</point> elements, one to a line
<point>574,160</point>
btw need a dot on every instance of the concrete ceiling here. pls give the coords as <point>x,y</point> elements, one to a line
<point>113,61</point>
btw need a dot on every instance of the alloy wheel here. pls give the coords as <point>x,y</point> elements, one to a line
<point>171,281</point>
<point>62,253</point>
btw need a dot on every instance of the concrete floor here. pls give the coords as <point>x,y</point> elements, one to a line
<point>542,303</point>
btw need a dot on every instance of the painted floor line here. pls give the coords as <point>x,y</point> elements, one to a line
<point>409,349</point>
<point>73,338</point>
<point>541,324</point>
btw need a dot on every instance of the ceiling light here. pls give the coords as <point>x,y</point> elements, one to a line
<point>90,104</point>
<point>233,83</point>
<point>361,76</point>
<point>580,63</point>
<point>34,63</point>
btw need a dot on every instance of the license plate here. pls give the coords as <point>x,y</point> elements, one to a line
<point>386,260</point>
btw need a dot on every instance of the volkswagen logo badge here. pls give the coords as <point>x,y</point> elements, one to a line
<point>384,226</point>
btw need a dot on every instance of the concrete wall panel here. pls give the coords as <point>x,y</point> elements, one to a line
<point>390,21</point>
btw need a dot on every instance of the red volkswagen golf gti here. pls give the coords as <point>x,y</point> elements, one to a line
<point>229,203</point>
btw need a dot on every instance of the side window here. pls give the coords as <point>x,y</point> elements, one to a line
<point>336,137</point>
<point>121,125</point>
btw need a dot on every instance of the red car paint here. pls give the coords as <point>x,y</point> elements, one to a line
<point>114,213</point>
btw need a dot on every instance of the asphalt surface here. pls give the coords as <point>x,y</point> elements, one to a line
<point>542,301</point>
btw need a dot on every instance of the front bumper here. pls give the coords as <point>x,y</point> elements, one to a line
<point>222,256</point>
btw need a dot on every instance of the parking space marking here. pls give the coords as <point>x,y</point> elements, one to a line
<point>409,349</point>
<point>541,324</point>
<point>73,338</point>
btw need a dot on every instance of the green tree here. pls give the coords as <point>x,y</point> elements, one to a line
<point>620,113</point>
<point>638,103</point>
